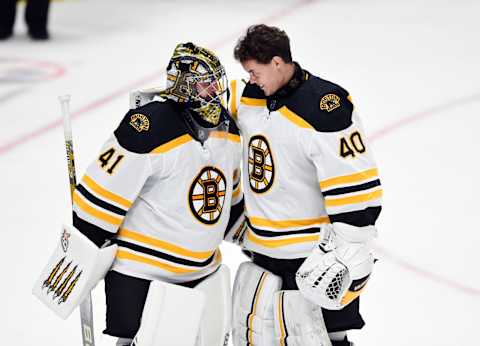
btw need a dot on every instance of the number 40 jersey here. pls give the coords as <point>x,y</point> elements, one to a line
<point>306,162</point>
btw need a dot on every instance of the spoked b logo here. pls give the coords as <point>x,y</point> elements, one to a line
<point>261,169</point>
<point>207,195</point>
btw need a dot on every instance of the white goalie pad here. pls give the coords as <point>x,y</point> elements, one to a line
<point>337,270</point>
<point>73,270</point>
<point>217,316</point>
<point>139,98</point>
<point>171,315</point>
<point>253,293</point>
<point>298,322</point>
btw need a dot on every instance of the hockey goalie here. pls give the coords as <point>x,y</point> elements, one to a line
<point>151,210</point>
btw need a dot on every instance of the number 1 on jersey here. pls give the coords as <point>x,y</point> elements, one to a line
<point>105,160</point>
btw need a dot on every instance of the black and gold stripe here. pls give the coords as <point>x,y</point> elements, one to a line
<point>96,201</point>
<point>352,188</point>
<point>163,255</point>
<point>141,248</point>
<point>281,320</point>
<point>253,308</point>
<point>282,236</point>
<point>265,233</point>
<point>99,202</point>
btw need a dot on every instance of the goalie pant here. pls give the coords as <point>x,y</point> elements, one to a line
<point>125,296</point>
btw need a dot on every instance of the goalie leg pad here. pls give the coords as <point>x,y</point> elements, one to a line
<point>217,316</point>
<point>73,270</point>
<point>253,293</point>
<point>171,316</point>
<point>298,322</point>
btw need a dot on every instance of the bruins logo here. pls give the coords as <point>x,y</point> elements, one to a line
<point>207,195</point>
<point>260,164</point>
<point>140,122</point>
<point>329,102</point>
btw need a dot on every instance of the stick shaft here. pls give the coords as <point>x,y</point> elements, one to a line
<point>86,314</point>
<point>67,131</point>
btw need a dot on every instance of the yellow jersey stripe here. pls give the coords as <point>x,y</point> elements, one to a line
<point>101,191</point>
<point>236,192</point>
<point>128,234</point>
<point>95,212</point>
<point>229,136</point>
<point>234,138</point>
<point>364,197</point>
<point>280,224</point>
<point>253,102</point>
<point>124,255</point>
<point>254,310</point>
<point>273,243</point>
<point>172,144</point>
<point>233,104</point>
<point>280,319</point>
<point>349,179</point>
<point>294,118</point>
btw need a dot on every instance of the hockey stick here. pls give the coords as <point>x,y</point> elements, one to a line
<point>86,314</point>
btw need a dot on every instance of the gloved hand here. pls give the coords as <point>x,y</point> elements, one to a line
<point>338,268</point>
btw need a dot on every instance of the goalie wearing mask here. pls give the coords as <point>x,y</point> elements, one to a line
<point>161,191</point>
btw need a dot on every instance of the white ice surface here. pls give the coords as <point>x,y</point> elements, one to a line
<point>412,68</point>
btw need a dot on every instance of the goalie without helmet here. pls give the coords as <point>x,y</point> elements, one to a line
<point>164,190</point>
<point>312,196</point>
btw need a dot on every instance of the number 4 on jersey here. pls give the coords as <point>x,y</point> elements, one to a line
<point>105,159</point>
<point>351,146</point>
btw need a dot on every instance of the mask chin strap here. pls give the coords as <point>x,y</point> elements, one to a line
<point>199,133</point>
<point>199,128</point>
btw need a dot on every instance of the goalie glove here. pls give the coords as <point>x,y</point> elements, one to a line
<point>338,268</point>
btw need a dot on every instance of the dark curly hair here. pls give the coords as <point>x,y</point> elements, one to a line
<point>262,43</point>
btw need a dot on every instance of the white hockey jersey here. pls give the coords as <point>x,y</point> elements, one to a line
<point>166,196</point>
<point>305,162</point>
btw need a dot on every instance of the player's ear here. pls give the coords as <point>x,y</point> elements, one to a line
<point>277,61</point>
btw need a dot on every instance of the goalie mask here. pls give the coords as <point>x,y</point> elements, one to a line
<point>195,75</point>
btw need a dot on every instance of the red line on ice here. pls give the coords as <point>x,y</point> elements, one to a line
<point>28,137</point>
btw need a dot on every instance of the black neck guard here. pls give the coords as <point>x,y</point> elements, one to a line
<point>274,101</point>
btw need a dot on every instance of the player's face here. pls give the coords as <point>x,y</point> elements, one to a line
<point>207,90</point>
<point>267,76</point>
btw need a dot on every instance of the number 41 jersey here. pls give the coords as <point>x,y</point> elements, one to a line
<point>305,162</point>
<point>164,195</point>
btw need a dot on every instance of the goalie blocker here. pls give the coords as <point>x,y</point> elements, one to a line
<point>174,314</point>
<point>73,270</point>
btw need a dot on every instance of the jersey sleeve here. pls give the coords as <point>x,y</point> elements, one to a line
<point>346,171</point>
<point>108,189</point>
